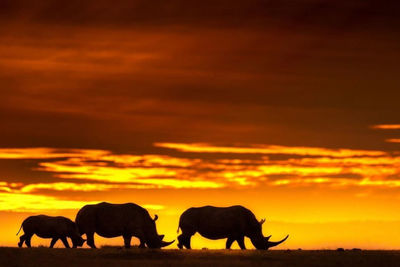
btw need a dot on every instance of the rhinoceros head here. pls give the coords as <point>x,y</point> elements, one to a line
<point>261,242</point>
<point>158,242</point>
<point>77,241</point>
<point>153,239</point>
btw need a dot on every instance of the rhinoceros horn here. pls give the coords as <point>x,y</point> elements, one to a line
<point>164,244</point>
<point>273,244</point>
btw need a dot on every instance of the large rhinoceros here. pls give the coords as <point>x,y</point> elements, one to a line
<point>233,223</point>
<point>50,227</point>
<point>126,220</point>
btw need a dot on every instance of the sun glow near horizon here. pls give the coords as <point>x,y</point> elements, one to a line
<point>88,174</point>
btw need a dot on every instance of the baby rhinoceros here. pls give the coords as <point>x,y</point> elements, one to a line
<point>50,227</point>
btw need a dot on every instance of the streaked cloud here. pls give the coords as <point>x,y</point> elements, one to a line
<point>386,126</point>
<point>140,171</point>
<point>48,153</point>
<point>22,202</point>
<point>102,170</point>
<point>63,186</point>
<point>351,161</point>
<point>393,140</point>
<point>270,149</point>
<point>152,177</point>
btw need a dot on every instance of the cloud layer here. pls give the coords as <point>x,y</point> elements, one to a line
<point>256,166</point>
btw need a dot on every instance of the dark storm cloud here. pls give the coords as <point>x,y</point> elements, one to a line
<point>295,14</point>
<point>92,74</point>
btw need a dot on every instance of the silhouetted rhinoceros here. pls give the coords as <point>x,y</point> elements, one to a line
<point>233,223</point>
<point>126,220</point>
<point>50,227</point>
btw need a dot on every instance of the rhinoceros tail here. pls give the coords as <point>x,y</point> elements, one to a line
<point>19,229</point>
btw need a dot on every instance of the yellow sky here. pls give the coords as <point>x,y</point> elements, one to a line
<point>322,197</point>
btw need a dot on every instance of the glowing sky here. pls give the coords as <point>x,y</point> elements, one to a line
<point>289,108</point>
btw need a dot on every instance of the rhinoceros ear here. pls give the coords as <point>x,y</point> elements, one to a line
<point>155,217</point>
<point>161,237</point>
<point>262,221</point>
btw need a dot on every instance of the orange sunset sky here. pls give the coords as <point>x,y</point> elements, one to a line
<point>290,108</point>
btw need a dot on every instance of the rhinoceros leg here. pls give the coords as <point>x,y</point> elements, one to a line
<point>142,243</point>
<point>229,242</point>
<point>90,240</point>
<point>53,242</point>
<point>180,241</point>
<point>127,241</point>
<point>28,240</point>
<point>65,241</point>
<point>184,240</point>
<point>187,243</point>
<point>240,241</point>
<point>21,240</point>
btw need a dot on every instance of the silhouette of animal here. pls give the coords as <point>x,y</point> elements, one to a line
<point>126,220</point>
<point>233,223</point>
<point>50,227</point>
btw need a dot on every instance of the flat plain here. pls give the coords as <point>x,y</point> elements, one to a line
<point>43,257</point>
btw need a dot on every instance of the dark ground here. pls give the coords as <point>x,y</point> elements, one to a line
<point>43,257</point>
